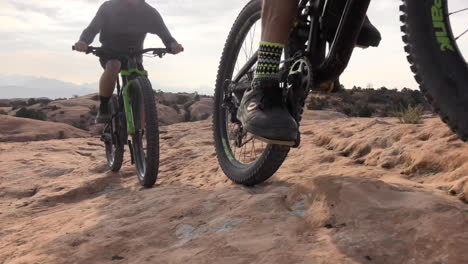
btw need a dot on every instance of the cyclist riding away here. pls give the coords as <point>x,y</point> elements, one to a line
<point>118,33</point>
<point>262,110</point>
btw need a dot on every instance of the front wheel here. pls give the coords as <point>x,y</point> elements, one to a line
<point>244,159</point>
<point>112,137</point>
<point>145,141</point>
<point>435,35</point>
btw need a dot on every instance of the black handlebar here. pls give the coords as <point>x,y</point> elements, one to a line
<point>160,52</point>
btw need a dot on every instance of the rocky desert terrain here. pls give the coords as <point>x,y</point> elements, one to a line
<point>358,190</point>
<point>80,112</point>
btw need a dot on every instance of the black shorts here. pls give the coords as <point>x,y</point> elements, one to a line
<point>104,60</point>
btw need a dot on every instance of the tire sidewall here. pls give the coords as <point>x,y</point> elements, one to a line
<point>273,156</point>
<point>151,130</point>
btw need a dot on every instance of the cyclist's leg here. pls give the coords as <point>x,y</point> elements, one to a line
<point>277,18</point>
<point>262,111</point>
<point>369,36</point>
<point>109,77</point>
<point>107,84</point>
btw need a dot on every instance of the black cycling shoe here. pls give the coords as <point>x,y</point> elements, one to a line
<point>103,115</point>
<point>369,35</point>
<point>263,113</point>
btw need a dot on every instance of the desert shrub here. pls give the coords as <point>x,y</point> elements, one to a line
<point>62,112</point>
<point>17,104</point>
<point>31,101</point>
<point>384,113</point>
<point>182,99</point>
<point>187,116</point>
<point>44,101</point>
<point>365,111</point>
<point>196,98</point>
<point>345,95</point>
<point>164,102</point>
<point>54,108</point>
<point>376,96</point>
<point>158,92</point>
<point>317,104</point>
<point>31,114</point>
<point>93,110</point>
<point>411,115</point>
<point>388,111</point>
<point>80,124</point>
<point>75,96</point>
<point>61,134</point>
<point>335,103</point>
<point>176,107</point>
<point>3,112</point>
<point>346,110</point>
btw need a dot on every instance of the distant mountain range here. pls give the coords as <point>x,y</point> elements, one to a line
<point>20,86</point>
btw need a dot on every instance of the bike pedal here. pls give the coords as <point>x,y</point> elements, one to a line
<point>276,142</point>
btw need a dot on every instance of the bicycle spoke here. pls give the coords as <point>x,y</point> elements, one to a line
<point>458,11</point>
<point>245,52</point>
<point>242,144</point>
<point>461,34</point>
<point>252,40</point>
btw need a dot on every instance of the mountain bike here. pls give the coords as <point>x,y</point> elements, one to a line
<point>134,114</point>
<point>311,63</point>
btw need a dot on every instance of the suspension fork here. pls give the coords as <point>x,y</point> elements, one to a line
<point>128,108</point>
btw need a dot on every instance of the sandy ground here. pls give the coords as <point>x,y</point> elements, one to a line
<point>356,191</point>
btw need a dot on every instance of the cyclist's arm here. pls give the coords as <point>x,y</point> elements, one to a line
<point>159,28</point>
<point>94,27</point>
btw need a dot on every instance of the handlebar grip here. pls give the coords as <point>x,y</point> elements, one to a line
<point>89,50</point>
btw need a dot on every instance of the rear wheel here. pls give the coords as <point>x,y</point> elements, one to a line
<point>113,139</point>
<point>145,142</point>
<point>243,158</point>
<point>435,34</point>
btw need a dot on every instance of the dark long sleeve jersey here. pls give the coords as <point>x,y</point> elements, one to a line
<point>123,26</point>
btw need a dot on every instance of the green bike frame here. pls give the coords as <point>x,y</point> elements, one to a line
<point>126,92</point>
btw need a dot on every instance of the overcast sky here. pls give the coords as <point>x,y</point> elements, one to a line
<point>37,35</point>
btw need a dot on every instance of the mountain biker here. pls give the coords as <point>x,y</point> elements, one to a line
<point>262,111</point>
<point>122,24</point>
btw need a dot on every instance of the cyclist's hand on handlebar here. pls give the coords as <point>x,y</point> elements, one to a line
<point>81,46</point>
<point>175,48</point>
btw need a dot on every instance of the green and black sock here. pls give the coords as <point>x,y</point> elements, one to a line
<point>104,99</point>
<point>269,57</point>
